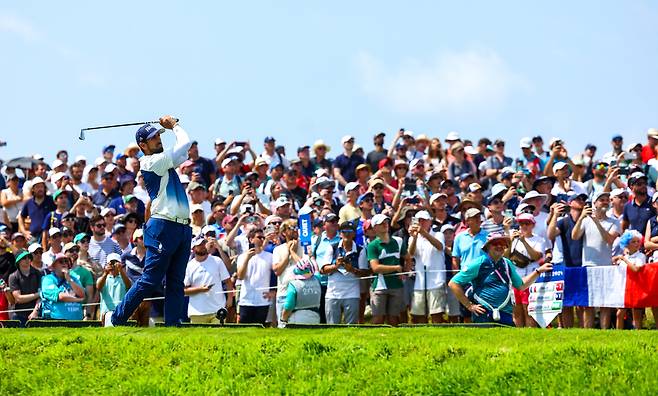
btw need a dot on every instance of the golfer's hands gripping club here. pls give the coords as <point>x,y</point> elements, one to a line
<point>168,122</point>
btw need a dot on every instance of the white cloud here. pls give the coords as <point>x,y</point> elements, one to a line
<point>14,25</point>
<point>456,83</point>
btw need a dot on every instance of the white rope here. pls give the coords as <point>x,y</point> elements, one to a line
<point>352,279</point>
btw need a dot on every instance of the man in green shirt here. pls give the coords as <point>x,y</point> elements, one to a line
<point>492,277</point>
<point>386,256</point>
<point>71,250</point>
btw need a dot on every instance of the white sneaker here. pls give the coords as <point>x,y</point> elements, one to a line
<point>107,319</point>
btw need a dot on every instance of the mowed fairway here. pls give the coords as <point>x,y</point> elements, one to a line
<point>329,361</point>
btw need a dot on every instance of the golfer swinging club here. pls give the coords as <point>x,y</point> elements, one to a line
<point>167,234</point>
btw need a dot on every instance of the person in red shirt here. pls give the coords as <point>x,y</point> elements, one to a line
<point>649,150</point>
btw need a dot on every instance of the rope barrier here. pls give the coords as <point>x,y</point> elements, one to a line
<point>350,279</point>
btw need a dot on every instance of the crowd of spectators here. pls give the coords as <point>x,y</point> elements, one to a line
<point>391,227</point>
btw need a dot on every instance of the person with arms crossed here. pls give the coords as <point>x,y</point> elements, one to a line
<point>167,234</point>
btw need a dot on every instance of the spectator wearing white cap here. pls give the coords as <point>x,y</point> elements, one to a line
<point>598,232</point>
<point>439,208</point>
<point>529,159</point>
<point>345,164</point>
<point>537,202</point>
<point>618,199</point>
<point>564,184</point>
<point>52,245</point>
<point>113,284</point>
<point>350,211</point>
<point>206,282</point>
<point>36,250</point>
<point>387,256</point>
<point>468,244</point>
<point>426,248</point>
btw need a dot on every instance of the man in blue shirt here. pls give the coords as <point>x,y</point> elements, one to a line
<point>167,235</point>
<point>468,244</point>
<point>61,292</point>
<point>346,163</point>
<point>638,211</point>
<point>36,208</point>
<point>492,277</point>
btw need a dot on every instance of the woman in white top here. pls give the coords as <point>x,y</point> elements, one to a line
<point>12,201</point>
<point>631,241</point>
<point>526,248</point>
<point>254,268</point>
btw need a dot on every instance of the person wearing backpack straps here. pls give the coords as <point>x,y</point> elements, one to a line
<point>492,277</point>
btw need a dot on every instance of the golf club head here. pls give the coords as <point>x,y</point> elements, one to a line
<point>82,134</point>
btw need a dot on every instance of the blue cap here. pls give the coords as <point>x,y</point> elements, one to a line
<point>120,155</point>
<point>364,196</point>
<point>145,132</point>
<point>269,139</point>
<point>109,147</point>
<point>400,145</point>
<point>617,137</point>
<point>465,176</point>
<point>574,197</point>
<point>126,178</point>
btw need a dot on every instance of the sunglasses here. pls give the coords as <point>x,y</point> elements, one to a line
<point>99,225</point>
<point>276,222</point>
<point>601,166</point>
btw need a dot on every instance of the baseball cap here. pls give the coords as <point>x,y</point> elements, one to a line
<point>472,212</point>
<point>198,241</point>
<point>20,256</point>
<point>560,165</point>
<point>113,257</point>
<point>79,237</point>
<point>68,247</point>
<point>346,138</point>
<point>128,198</point>
<point>364,196</point>
<point>576,196</point>
<point>281,201</point>
<point>195,186</point>
<point>436,196</point>
<point>57,176</point>
<point>617,137</point>
<point>107,211</point>
<point>617,192</point>
<point>126,178</point>
<point>196,207</point>
<point>635,176</point>
<point>227,161</point>
<point>272,218</point>
<point>54,231</point>
<point>447,227</point>
<point>379,219</point>
<point>330,217</point>
<point>400,163</point>
<point>269,139</point>
<point>144,133</point>
<point>423,215</point>
<point>16,235</point>
<point>34,247</point>
<point>219,141</point>
<point>452,136</point>
<point>117,227</point>
<point>418,161</point>
<point>351,186</point>
<point>599,194</point>
<point>302,148</point>
<point>380,134</point>
<point>109,169</point>
<point>473,187</point>
<point>526,142</point>
<point>498,188</point>
<point>57,163</point>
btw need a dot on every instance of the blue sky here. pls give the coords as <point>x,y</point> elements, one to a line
<point>298,71</point>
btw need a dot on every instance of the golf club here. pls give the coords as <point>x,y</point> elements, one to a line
<point>82,131</point>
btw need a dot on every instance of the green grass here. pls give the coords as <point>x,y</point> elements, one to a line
<point>332,361</point>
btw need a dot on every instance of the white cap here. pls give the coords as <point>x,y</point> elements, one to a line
<point>56,163</point>
<point>139,233</point>
<point>436,196</point>
<point>447,227</point>
<point>632,146</point>
<point>525,142</point>
<point>452,136</point>
<point>100,160</point>
<point>33,247</point>
<point>271,218</point>
<point>470,150</point>
<point>408,133</point>
<point>208,228</point>
<point>219,141</point>
<point>534,194</point>
<point>227,161</point>
<point>497,189</point>
<point>521,207</point>
<point>416,162</point>
<point>357,148</point>
<point>553,140</point>
<point>196,207</point>
<point>378,219</point>
<point>36,181</point>
<point>351,186</point>
<point>423,215</point>
<point>107,211</point>
<point>472,212</point>
<point>473,187</point>
<point>54,230</point>
<point>617,192</point>
<point>110,167</point>
<point>37,157</point>
<point>560,165</point>
<point>346,138</point>
<point>80,158</point>
<point>198,241</point>
<point>281,201</point>
<point>184,179</point>
<point>57,176</point>
<point>113,257</point>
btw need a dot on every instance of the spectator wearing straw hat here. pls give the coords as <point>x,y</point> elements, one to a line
<point>36,209</point>
<point>492,277</point>
<point>61,292</point>
<point>320,160</point>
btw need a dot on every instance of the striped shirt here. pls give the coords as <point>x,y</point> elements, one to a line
<point>98,251</point>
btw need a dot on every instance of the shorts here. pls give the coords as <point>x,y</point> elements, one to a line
<point>207,318</point>
<point>521,296</point>
<point>431,301</point>
<point>386,302</point>
<point>254,314</point>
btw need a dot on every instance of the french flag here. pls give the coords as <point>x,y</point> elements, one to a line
<point>612,286</point>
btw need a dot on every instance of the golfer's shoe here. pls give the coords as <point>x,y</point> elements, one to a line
<point>107,319</point>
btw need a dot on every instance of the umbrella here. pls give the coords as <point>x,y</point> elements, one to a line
<point>22,163</point>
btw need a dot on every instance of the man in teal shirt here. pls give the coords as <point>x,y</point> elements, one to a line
<point>61,292</point>
<point>492,277</point>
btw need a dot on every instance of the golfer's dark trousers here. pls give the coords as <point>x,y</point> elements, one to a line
<point>167,253</point>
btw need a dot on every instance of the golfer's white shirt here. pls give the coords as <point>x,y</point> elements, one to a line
<point>167,194</point>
